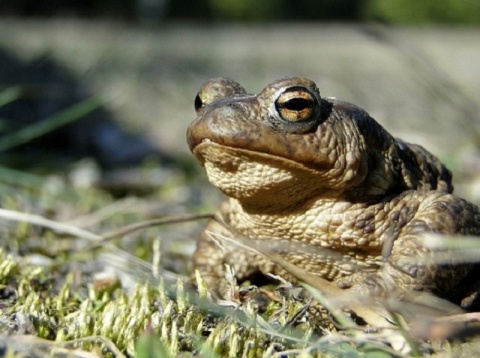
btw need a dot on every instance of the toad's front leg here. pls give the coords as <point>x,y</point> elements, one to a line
<point>214,253</point>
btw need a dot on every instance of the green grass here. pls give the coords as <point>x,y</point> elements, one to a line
<point>40,128</point>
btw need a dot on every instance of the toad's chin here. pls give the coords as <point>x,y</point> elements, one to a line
<point>252,176</point>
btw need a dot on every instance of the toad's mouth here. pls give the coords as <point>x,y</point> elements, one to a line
<point>245,174</point>
<point>232,159</point>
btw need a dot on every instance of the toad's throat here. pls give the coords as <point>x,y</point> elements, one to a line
<point>253,176</point>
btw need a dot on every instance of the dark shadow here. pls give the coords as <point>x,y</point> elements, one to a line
<point>47,88</point>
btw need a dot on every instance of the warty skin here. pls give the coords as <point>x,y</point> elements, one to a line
<point>323,184</point>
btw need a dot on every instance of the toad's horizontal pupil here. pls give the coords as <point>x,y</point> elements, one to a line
<point>297,104</point>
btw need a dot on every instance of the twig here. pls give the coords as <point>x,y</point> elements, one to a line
<point>148,223</point>
<point>99,239</point>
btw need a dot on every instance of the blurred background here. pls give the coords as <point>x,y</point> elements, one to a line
<point>111,83</point>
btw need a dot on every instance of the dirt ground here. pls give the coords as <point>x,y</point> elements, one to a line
<point>421,83</point>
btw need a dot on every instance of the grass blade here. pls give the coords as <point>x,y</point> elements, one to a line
<point>60,119</point>
<point>10,94</point>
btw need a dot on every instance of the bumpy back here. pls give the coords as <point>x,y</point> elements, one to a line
<point>420,169</point>
<point>404,165</point>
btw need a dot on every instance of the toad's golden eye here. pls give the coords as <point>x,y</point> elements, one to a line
<point>296,104</point>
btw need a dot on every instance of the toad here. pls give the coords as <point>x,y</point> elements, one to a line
<point>321,183</point>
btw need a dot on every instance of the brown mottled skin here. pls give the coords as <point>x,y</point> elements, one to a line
<point>323,184</point>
